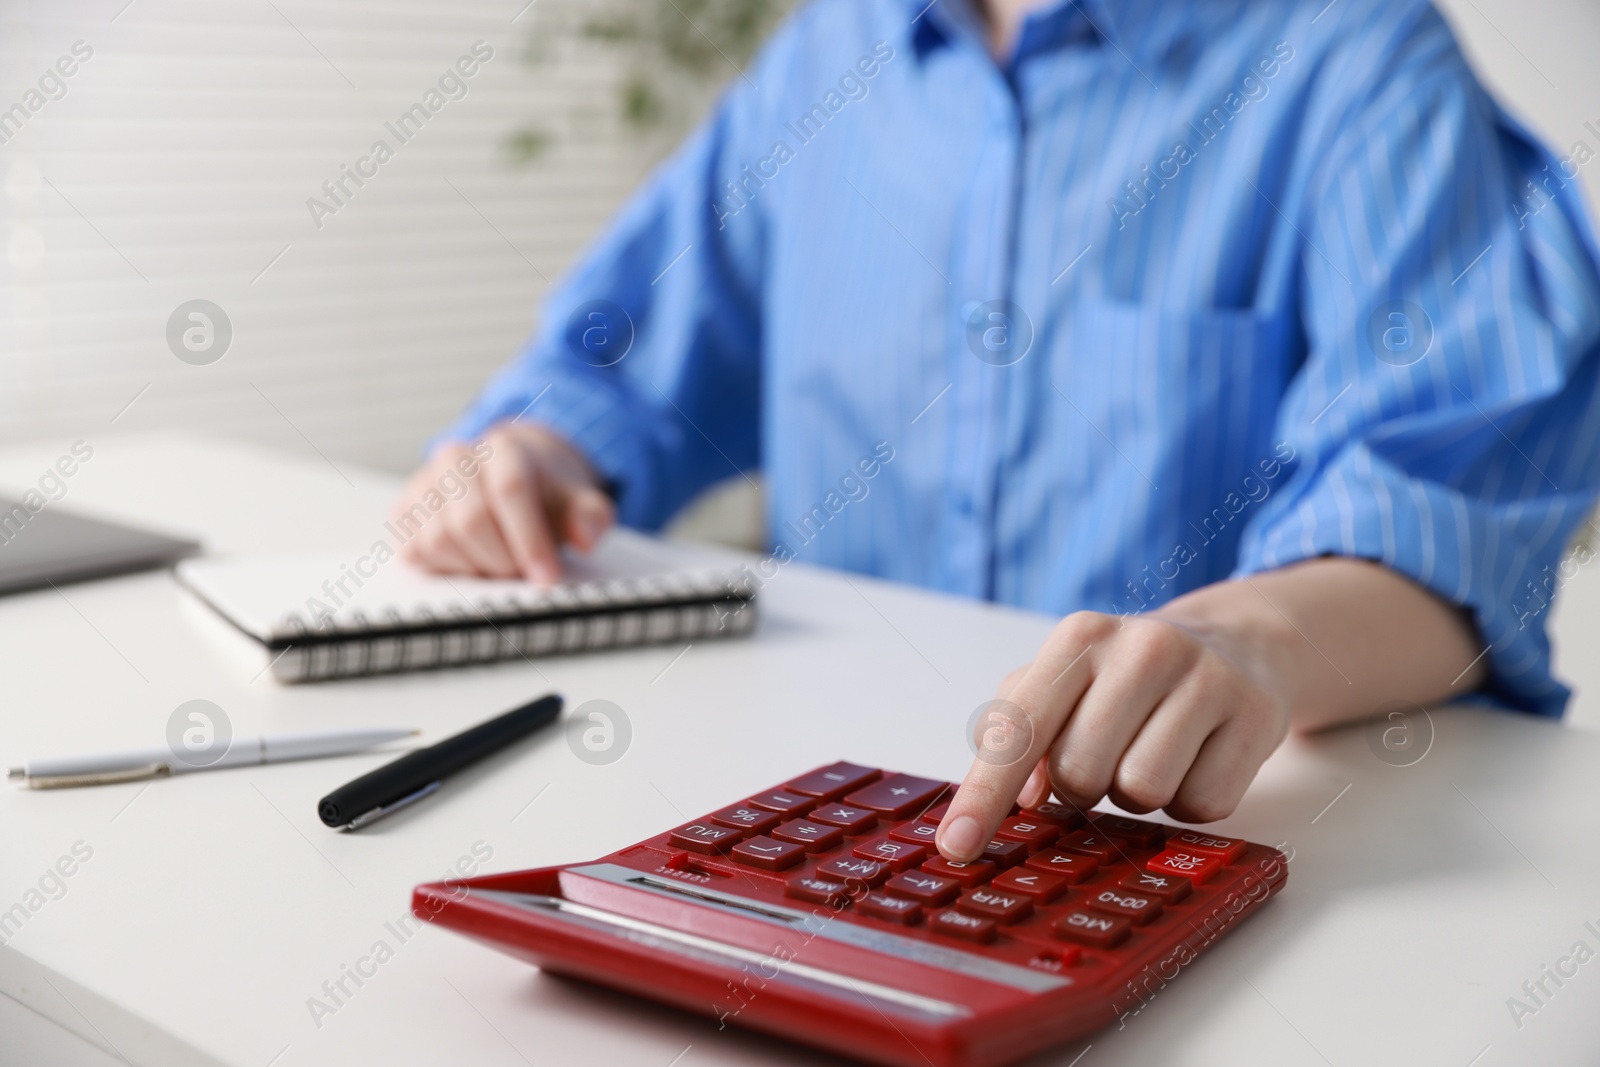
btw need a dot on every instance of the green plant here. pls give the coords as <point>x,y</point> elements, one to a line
<point>674,53</point>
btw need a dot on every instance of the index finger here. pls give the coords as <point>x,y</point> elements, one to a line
<point>518,506</point>
<point>1017,731</point>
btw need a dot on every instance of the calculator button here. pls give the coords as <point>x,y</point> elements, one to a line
<point>1073,868</point>
<point>767,854</point>
<point>917,833</point>
<point>1035,833</point>
<point>705,837</point>
<point>897,855</point>
<point>1005,853</point>
<point>935,814</point>
<point>930,889</point>
<point>1137,908</point>
<point>1169,888</point>
<point>782,803</point>
<point>894,909</point>
<point>967,927</point>
<point>1040,886</point>
<point>1195,866</point>
<point>1093,929</point>
<point>850,820</point>
<point>965,874</point>
<point>1141,833</point>
<point>747,817</point>
<point>818,891</point>
<point>848,869</point>
<point>813,835</point>
<point>1228,849</point>
<point>834,781</point>
<point>1063,815</point>
<point>1091,843</point>
<point>990,903</point>
<point>897,795</point>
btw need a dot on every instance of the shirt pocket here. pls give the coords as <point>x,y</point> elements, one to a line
<point>1189,398</point>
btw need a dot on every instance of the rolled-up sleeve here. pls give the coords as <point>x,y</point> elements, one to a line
<point>1446,421</point>
<point>647,356</point>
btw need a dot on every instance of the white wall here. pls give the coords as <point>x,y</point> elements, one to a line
<point>1542,59</point>
<point>178,166</point>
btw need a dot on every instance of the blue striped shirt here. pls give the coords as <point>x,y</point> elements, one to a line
<point>1183,289</point>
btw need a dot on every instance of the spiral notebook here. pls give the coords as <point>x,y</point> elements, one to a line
<point>320,617</point>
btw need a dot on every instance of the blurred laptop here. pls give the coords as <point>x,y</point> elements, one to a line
<point>55,546</point>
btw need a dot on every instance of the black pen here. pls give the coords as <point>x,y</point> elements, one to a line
<point>417,774</point>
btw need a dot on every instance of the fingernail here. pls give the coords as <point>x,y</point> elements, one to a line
<point>960,838</point>
<point>540,573</point>
<point>591,526</point>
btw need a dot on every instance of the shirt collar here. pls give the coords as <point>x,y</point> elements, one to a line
<point>941,22</point>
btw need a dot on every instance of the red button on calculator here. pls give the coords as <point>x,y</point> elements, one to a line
<point>792,913</point>
<point>850,869</point>
<point>917,833</point>
<point>1137,908</point>
<point>1142,834</point>
<point>1225,848</point>
<point>1195,866</point>
<point>1036,884</point>
<point>850,820</point>
<point>994,904</point>
<point>1036,833</point>
<point>928,888</point>
<point>966,927</point>
<point>1092,843</point>
<point>822,891</point>
<point>782,803</point>
<point>967,874</point>
<point>834,781</point>
<point>815,836</point>
<point>1004,853</point>
<point>767,854</point>
<point>898,795</point>
<point>898,855</point>
<point>1169,888</point>
<point>747,817</point>
<point>705,837</point>
<point>1063,815</point>
<point>1092,928</point>
<point>1073,868</point>
<point>895,909</point>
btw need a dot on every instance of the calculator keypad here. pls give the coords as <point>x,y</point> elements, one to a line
<point>821,910</point>
<point>1057,887</point>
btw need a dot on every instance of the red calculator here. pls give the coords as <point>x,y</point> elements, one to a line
<point>821,912</point>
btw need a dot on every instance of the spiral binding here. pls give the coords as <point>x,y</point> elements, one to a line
<point>581,617</point>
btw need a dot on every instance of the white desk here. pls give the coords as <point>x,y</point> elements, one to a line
<point>215,905</point>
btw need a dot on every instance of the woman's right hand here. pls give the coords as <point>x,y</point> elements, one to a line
<point>527,490</point>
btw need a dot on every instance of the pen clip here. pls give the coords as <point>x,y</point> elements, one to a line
<point>132,774</point>
<point>389,809</point>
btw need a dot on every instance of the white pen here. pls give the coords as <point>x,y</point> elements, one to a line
<point>131,765</point>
